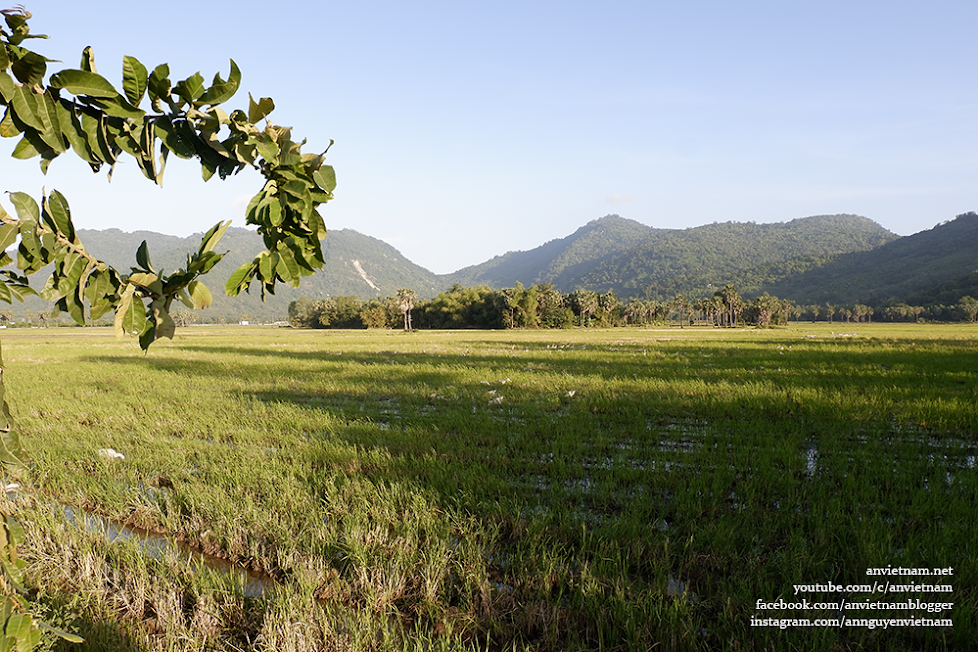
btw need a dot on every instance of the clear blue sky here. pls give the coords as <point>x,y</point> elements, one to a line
<point>467,129</point>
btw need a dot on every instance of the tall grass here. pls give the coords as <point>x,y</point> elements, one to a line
<point>612,490</point>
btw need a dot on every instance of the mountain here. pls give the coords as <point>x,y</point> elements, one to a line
<point>827,258</point>
<point>356,264</point>
<point>613,253</point>
<point>743,254</point>
<point>910,265</point>
<point>555,261</point>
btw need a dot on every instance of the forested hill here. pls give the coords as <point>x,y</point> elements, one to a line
<point>356,264</point>
<point>919,264</point>
<point>589,245</point>
<point>834,258</point>
<point>745,254</point>
<point>632,259</point>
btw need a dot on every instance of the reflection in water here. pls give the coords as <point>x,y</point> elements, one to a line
<point>157,546</point>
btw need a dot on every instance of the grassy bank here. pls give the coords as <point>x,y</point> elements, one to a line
<point>500,490</point>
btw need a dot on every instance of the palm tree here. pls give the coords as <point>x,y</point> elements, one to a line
<point>680,303</point>
<point>733,303</point>
<point>405,301</point>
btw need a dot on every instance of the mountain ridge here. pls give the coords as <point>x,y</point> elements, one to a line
<point>810,259</point>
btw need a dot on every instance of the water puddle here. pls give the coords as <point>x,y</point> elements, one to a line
<point>157,546</point>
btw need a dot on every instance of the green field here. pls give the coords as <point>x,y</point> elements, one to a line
<point>541,490</point>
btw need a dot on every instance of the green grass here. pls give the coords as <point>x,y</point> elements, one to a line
<point>538,490</point>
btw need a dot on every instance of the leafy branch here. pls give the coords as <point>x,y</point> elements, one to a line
<point>80,110</point>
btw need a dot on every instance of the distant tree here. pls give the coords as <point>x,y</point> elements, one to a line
<point>376,313</point>
<point>529,308</point>
<point>733,304</point>
<point>512,300</point>
<point>764,308</point>
<point>405,301</point>
<point>608,309</point>
<point>829,311</point>
<point>584,303</point>
<point>184,318</point>
<point>303,313</point>
<point>968,305</point>
<point>551,309</point>
<point>681,304</point>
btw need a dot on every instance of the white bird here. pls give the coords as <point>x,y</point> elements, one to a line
<point>111,454</point>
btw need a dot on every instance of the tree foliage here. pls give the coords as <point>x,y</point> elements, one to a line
<point>152,117</point>
<point>80,110</point>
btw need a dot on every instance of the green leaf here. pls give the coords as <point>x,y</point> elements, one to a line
<point>88,60</point>
<point>71,305</point>
<point>287,267</point>
<point>148,336</point>
<point>173,138</point>
<point>83,83</point>
<point>185,299</point>
<point>190,88</point>
<point>134,79</point>
<point>240,280</point>
<point>57,215</point>
<point>130,315</point>
<point>268,149</point>
<point>98,138</point>
<point>29,67</point>
<point>200,294</point>
<point>118,107</point>
<point>158,86</point>
<point>325,178</point>
<point>212,237</point>
<point>267,262</point>
<point>142,257</point>
<point>8,235</point>
<point>220,90</point>
<point>25,149</point>
<point>72,130</point>
<point>8,127</point>
<point>24,104</point>
<point>164,325</point>
<point>7,85</point>
<point>48,113</point>
<point>27,209</point>
<point>147,158</point>
<point>72,270</point>
<point>148,282</point>
<point>97,287</point>
<point>258,110</point>
<point>205,262</point>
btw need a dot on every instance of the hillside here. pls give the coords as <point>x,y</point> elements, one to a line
<point>356,264</point>
<point>613,253</point>
<point>910,265</point>
<point>744,254</point>
<point>829,258</point>
<point>589,245</point>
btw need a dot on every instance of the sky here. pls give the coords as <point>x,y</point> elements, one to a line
<point>463,130</point>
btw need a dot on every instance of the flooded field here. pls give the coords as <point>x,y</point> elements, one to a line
<point>578,490</point>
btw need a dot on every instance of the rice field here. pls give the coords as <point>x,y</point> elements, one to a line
<point>622,489</point>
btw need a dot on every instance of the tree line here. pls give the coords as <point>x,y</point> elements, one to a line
<point>538,306</point>
<point>543,306</point>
